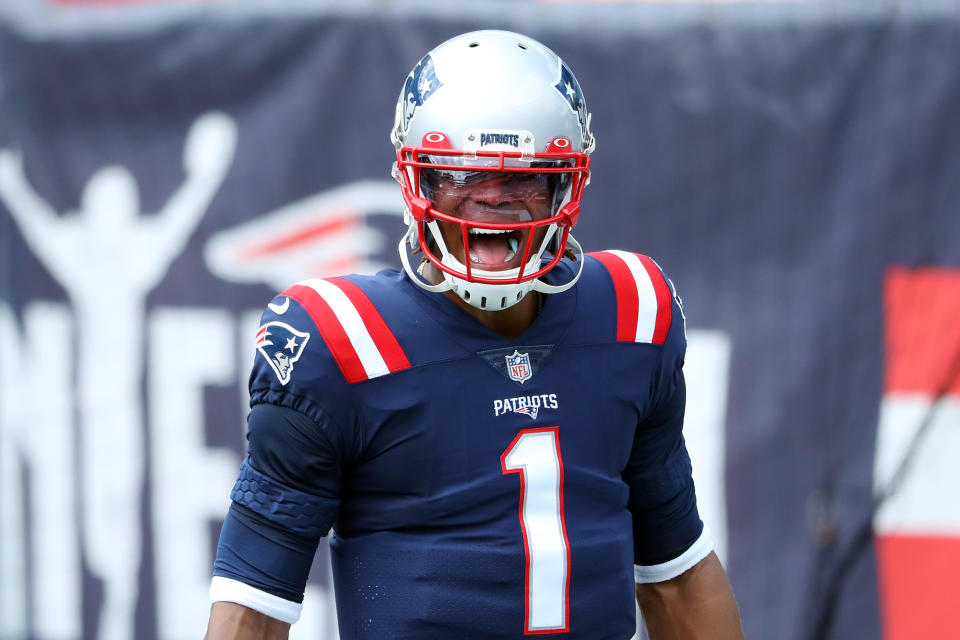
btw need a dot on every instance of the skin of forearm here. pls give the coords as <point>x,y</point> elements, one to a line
<point>230,621</point>
<point>696,604</point>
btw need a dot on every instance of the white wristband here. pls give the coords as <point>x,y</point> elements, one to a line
<point>228,590</point>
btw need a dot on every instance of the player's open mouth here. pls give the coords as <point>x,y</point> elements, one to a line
<point>494,249</point>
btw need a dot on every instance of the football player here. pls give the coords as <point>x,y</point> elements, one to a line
<point>493,434</point>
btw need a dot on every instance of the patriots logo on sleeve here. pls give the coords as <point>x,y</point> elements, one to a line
<point>282,346</point>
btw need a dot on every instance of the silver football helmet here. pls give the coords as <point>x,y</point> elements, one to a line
<point>493,141</point>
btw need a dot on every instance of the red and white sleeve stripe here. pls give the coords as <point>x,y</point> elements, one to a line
<point>644,299</point>
<point>354,331</point>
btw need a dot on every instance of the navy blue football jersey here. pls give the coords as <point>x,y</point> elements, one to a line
<point>476,486</point>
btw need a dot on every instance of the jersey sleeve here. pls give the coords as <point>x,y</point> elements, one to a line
<point>285,499</point>
<point>317,343</point>
<point>669,536</point>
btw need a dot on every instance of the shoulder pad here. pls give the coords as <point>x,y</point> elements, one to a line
<point>349,324</point>
<point>644,296</point>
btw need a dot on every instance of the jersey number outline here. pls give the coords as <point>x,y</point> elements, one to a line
<point>535,455</point>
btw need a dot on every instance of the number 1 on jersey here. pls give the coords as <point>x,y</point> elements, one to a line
<point>535,455</point>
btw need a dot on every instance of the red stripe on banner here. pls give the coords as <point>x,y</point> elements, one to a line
<point>302,235</point>
<point>625,289</point>
<point>383,338</point>
<point>664,300</point>
<point>923,330</point>
<point>919,589</point>
<point>331,330</point>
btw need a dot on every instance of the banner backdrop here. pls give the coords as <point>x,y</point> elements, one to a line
<point>795,171</point>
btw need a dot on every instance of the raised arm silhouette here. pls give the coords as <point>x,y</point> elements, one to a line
<point>108,257</point>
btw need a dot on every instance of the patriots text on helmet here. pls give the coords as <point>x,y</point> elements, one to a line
<point>511,139</point>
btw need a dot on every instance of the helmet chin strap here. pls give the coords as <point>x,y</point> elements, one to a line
<point>543,287</point>
<point>446,284</point>
<point>411,236</point>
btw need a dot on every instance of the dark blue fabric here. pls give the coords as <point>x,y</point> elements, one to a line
<point>294,450</point>
<point>662,497</point>
<point>263,554</point>
<point>428,528</point>
<point>284,501</point>
<point>293,510</point>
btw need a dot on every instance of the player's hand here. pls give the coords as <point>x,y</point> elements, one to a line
<point>210,144</point>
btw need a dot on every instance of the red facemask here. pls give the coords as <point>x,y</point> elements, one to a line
<point>509,192</point>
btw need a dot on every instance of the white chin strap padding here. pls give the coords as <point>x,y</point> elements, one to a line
<point>543,287</point>
<point>487,297</point>
<point>405,260</point>
<point>496,297</point>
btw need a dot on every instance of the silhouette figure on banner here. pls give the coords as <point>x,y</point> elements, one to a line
<point>108,257</point>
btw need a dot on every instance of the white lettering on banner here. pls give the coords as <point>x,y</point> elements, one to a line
<point>82,249</point>
<point>707,372</point>
<point>189,349</point>
<point>36,430</point>
<point>13,543</point>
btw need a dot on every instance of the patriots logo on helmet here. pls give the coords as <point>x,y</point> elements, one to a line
<point>420,85</point>
<point>569,88</point>
<point>282,346</point>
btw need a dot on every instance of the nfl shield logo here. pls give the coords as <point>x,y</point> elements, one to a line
<point>518,366</point>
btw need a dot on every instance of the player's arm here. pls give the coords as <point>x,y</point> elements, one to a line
<point>284,501</point>
<point>232,621</point>
<point>698,603</point>
<point>682,589</point>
